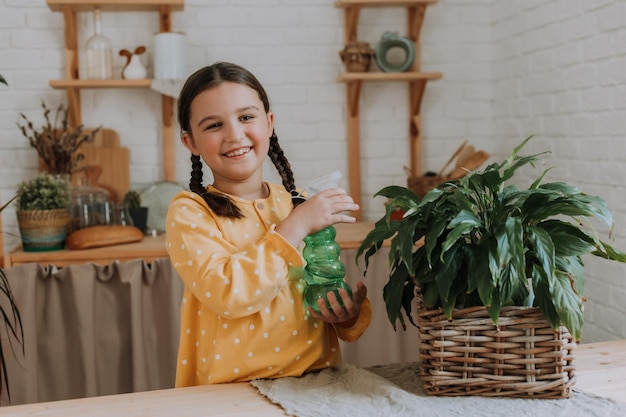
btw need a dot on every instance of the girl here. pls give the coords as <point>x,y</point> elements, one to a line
<point>234,244</point>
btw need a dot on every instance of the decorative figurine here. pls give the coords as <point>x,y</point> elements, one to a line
<point>134,69</point>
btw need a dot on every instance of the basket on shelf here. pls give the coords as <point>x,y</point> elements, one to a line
<point>520,357</point>
<point>43,230</point>
<point>467,159</point>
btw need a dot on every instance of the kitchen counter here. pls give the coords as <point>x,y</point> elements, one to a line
<point>601,369</point>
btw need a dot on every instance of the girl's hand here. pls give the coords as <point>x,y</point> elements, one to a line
<point>318,212</point>
<point>344,316</point>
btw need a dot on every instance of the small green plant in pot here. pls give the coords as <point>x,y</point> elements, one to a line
<point>480,242</point>
<point>137,212</point>
<point>42,208</point>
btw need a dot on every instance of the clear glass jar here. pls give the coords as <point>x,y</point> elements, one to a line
<point>90,207</point>
<point>99,52</point>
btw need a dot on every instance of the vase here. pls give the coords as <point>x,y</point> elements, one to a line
<point>357,56</point>
<point>134,70</point>
<point>43,230</point>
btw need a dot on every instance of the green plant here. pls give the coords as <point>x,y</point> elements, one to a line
<point>478,241</point>
<point>56,142</point>
<point>44,192</point>
<point>12,321</point>
<point>9,312</point>
<point>12,326</point>
<point>132,199</point>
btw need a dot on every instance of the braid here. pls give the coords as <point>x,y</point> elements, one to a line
<point>283,167</point>
<point>195,183</point>
<point>221,204</point>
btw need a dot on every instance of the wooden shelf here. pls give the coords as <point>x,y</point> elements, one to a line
<point>388,76</point>
<point>73,85</point>
<point>416,10</point>
<point>100,83</point>
<point>382,3</point>
<point>349,236</point>
<point>115,5</point>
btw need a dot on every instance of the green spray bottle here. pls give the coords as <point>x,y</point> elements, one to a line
<point>324,270</point>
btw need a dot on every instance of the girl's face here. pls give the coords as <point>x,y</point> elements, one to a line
<point>230,131</point>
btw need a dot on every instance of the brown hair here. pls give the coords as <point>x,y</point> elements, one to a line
<point>209,77</point>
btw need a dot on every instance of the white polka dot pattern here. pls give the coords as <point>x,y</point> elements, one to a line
<point>241,317</point>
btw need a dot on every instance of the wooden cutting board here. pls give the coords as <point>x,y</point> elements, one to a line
<point>113,160</point>
<point>114,163</point>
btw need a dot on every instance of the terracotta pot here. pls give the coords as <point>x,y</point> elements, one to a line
<point>357,56</point>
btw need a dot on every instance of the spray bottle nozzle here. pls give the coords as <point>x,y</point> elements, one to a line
<point>323,183</point>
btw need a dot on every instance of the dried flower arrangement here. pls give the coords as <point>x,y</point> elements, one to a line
<point>56,142</point>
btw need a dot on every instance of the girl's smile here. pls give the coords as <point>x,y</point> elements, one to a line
<point>238,152</point>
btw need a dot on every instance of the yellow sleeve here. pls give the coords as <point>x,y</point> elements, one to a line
<point>350,334</point>
<point>231,280</point>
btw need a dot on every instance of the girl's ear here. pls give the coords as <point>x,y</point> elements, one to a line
<point>189,143</point>
<point>270,121</point>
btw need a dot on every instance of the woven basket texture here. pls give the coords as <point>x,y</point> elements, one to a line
<point>43,229</point>
<point>422,185</point>
<point>520,357</point>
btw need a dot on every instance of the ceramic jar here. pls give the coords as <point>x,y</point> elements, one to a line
<point>357,56</point>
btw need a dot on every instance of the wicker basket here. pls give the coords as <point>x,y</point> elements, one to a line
<point>422,185</point>
<point>43,230</point>
<point>467,159</point>
<point>469,355</point>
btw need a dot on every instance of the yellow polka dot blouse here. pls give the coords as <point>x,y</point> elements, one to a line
<point>242,317</point>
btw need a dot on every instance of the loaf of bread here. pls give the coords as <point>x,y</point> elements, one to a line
<point>98,236</point>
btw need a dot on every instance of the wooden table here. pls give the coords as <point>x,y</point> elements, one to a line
<point>601,369</point>
<point>349,236</point>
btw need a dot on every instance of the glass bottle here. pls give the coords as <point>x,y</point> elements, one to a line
<point>324,270</point>
<point>99,52</point>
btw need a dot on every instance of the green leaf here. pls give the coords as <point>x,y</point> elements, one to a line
<point>606,251</point>
<point>568,304</point>
<point>2,80</point>
<point>478,275</point>
<point>460,225</point>
<point>543,250</point>
<point>568,239</point>
<point>448,271</point>
<point>393,294</point>
<point>543,297</point>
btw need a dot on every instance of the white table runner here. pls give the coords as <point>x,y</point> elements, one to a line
<point>395,390</point>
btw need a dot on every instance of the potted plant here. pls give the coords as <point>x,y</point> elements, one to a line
<point>12,322</point>
<point>56,142</point>
<point>480,244</point>
<point>42,208</point>
<point>138,213</point>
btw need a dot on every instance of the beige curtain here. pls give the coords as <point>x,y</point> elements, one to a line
<point>97,330</point>
<point>94,330</point>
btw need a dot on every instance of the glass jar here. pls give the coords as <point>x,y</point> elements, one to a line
<point>90,206</point>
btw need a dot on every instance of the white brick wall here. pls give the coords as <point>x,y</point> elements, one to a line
<point>555,68</point>
<point>559,72</point>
